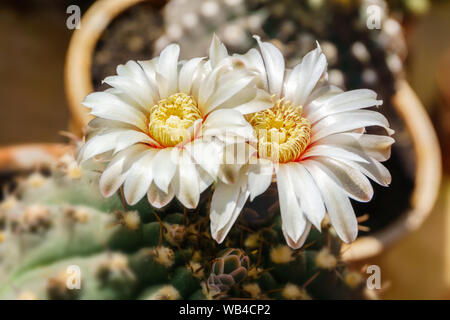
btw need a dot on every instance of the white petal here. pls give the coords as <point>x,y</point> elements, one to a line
<point>308,194</point>
<point>305,76</point>
<point>260,102</point>
<point>116,172</point>
<point>253,61</point>
<point>109,106</point>
<point>139,178</point>
<point>208,153</point>
<point>224,118</point>
<point>352,181</point>
<point>323,150</point>
<point>274,62</point>
<point>159,198</point>
<point>293,220</point>
<point>227,122</point>
<point>227,88</point>
<point>168,68</point>
<point>187,73</point>
<point>99,126</point>
<point>374,170</point>
<point>134,84</point>
<point>259,179</point>
<point>337,203</point>
<point>97,145</point>
<point>186,182</point>
<point>217,51</point>
<point>347,121</point>
<point>164,166</point>
<point>249,100</point>
<point>375,146</point>
<point>227,202</point>
<point>116,140</point>
<point>198,79</point>
<point>205,179</point>
<point>149,68</point>
<point>127,138</point>
<point>298,243</point>
<point>346,101</point>
<point>207,87</point>
<point>319,97</point>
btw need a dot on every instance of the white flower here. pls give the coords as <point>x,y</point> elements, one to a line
<point>163,125</point>
<point>313,142</point>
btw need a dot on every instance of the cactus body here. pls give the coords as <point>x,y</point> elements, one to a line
<point>62,226</point>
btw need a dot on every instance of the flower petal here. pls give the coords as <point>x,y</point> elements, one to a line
<point>116,172</point>
<point>293,220</point>
<point>139,178</point>
<point>308,194</point>
<point>260,178</point>
<point>374,170</point>
<point>305,76</point>
<point>164,166</point>
<point>159,198</point>
<point>217,51</point>
<point>167,68</point>
<point>323,150</point>
<point>337,203</point>
<point>225,123</point>
<point>187,73</point>
<point>253,61</point>
<point>298,243</point>
<point>319,97</point>
<point>274,62</point>
<point>346,101</point>
<point>260,102</point>
<point>109,106</point>
<point>352,181</point>
<point>135,85</point>
<point>127,138</point>
<point>375,146</point>
<point>186,182</point>
<point>229,85</point>
<point>347,121</point>
<point>99,126</point>
<point>208,153</point>
<point>227,202</point>
<point>149,67</point>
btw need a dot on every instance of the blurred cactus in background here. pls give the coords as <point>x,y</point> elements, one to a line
<point>55,226</point>
<point>358,56</point>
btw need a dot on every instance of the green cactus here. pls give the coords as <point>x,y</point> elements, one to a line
<point>53,224</point>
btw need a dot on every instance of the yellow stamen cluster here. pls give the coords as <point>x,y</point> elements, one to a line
<point>171,119</point>
<point>282,132</point>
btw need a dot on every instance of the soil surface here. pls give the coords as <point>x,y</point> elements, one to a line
<point>130,36</point>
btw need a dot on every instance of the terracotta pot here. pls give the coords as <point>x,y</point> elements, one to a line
<point>77,74</point>
<point>78,82</point>
<point>427,178</point>
<point>30,156</point>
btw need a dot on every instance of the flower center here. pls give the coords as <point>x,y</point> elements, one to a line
<point>171,119</point>
<point>282,132</point>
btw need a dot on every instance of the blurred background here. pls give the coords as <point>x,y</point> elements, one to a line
<point>414,44</point>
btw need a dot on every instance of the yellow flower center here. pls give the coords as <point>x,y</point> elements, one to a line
<point>282,132</point>
<point>171,119</point>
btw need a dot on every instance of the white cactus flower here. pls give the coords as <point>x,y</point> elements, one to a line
<point>164,124</point>
<point>313,143</point>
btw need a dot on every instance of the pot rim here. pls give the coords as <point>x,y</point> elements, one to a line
<point>428,173</point>
<point>78,84</point>
<point>29,156</point>
<point>77,70</point>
